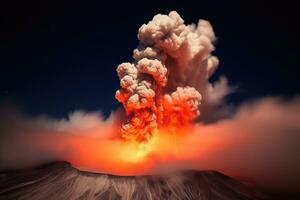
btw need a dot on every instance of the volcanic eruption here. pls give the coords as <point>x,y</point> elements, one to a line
<point>159,146</point>
<point>170,72</point>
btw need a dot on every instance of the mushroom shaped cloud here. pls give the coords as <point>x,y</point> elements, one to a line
<point>165,84</point>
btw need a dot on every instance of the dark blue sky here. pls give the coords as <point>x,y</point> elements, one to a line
<point>57,57</point>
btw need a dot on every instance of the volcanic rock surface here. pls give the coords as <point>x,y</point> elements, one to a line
<point>62,181</point>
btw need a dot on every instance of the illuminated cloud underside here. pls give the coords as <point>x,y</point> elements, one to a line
<point>164,85</point>
<point>161,91</point>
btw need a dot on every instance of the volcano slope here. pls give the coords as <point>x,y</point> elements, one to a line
<point>62,181</point>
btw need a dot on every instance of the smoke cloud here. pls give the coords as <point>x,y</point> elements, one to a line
<point>169,76</point>
<point>161,92</point>
<point>260,144</point>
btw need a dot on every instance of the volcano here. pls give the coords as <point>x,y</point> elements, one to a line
<point>61,180</point>
<point>159,129</point>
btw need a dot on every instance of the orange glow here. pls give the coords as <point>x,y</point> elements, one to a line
<point>230,146</point>
<point>116,156</point>
<point>133,157</point>
<point>144,123</point>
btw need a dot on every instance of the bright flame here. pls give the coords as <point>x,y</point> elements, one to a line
<point>134,157</point>
<point>135,152</point>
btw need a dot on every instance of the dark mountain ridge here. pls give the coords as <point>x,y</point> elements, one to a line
<point>62,181</point>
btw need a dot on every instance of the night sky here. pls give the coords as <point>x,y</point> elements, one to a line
<point>57,57</point>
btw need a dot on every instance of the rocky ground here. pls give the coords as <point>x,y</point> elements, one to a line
<point>62,181</point>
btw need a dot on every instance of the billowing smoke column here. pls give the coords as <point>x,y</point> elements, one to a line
<point>161,90</point>
<point>163,87</point>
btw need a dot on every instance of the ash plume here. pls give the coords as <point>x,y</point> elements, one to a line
<point>161,92</point>
<point>168,77</point>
